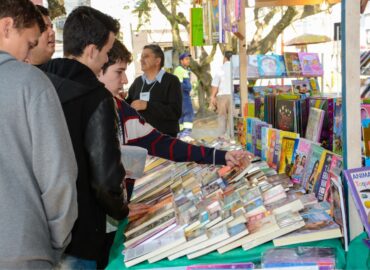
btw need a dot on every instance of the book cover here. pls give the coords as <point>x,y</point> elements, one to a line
<point>310,64</point>
<point>326,104</point>
<point>270,65</point>
<point>323,177</point>
<point>359,185</point>
<point>311,170</point>
<point>301,86</point>
<point>300,159</point>
<point>285,115</point>
<point>314,124</point>
<point>338,207</point>
<point>286,163</point>
<point>338,127</point>
<point>324,257</point>
<point>319,226</point>
<point>292,64</point>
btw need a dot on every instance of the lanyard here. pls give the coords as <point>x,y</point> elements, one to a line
<point>142,87</point>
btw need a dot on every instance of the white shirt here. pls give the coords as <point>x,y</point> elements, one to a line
<point>222,80</point>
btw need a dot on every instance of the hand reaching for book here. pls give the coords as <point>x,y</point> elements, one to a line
<point>239,158</point>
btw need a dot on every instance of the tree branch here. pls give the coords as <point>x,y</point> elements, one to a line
<point>56,8</point>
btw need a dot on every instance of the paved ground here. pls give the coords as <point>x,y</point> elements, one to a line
<point>205,128</point>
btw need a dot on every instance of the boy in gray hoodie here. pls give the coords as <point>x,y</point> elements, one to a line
<point>38,204</point>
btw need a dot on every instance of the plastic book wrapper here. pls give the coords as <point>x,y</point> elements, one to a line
<point>133,159</point>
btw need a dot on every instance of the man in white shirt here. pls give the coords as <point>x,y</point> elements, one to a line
<point>222,93</point>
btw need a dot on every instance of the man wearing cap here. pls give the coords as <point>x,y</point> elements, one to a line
<point>183,73</point>
<point>221,94</point>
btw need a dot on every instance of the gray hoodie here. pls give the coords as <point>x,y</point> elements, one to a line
<point>38,201</point>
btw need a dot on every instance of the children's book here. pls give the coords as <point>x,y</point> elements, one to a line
<point>310,64</point>
<point>286,115</point>
<point>292,64</point>
<point>287,161</point>
<point>271,65</point>
<point>301,86</point>
<point>359,185</point>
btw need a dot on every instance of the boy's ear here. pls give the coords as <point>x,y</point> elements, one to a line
<point>90,51</point>
<point>6,24</point>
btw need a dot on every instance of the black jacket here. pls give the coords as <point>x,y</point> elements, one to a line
<point>164,108</point>
<point>92,122</point>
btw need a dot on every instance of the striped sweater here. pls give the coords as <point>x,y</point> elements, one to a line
<point>135,131</point>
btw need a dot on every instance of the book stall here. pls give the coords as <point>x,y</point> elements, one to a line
<point>292,206</point>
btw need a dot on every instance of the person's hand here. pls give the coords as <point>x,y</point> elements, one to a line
<point>139,105</point>
<point>214,101</point>
<point>239,158</point>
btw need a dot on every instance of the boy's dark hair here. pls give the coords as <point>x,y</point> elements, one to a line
<point>118,52</point>
<point>228,55</point>
<point>85,26</point>
<point>23,12</point>
<point>43,10</point>
<point>157,52</point>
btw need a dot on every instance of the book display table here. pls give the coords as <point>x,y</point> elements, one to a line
<point>236,255</point>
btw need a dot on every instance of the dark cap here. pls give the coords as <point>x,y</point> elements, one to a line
<point>183,55</point>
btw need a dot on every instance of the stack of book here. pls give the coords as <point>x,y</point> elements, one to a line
<point>208,208</point>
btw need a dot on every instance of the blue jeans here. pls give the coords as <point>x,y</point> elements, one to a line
<point>74,263</point>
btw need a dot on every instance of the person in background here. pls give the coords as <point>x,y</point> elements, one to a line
<point>221,94</point>
<point>38,200</point>
<point>183,73</point>
<point>92,122</point>
<point>135,131</point>
<point>46,45</point>
<point>156,95</point>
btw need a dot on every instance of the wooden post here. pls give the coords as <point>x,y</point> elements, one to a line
<point>243,61</point>
<point>351,99</point>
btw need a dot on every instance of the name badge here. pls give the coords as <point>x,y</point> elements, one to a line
<point>145,96</point>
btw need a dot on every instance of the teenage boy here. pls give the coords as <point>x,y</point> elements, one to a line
<point>46,45</point>
<point>91,117</point>
<point>135,131</point>
<point>38,171</point>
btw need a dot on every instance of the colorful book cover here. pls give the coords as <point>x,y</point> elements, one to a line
<point>323,178</point>
<point>300,159</point>
<point>310,64</point>
<point>258,127</point>
<point>240,130</point>
<point>365,111</point>
<point>271,146</point>
<point>366,140</point>
<point>326,104</point>
<point>270,65</point>
<point>285,115</point>
<point>292,64</point>
<point>338,127</point>
<point>264,142</point>
<point>314,86</point>
<point>359,185</point>
<point>215,20</point>
<point>277,148</point>
<point>311,170</point>
<point>301,86</point>
<point>286,157</point>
